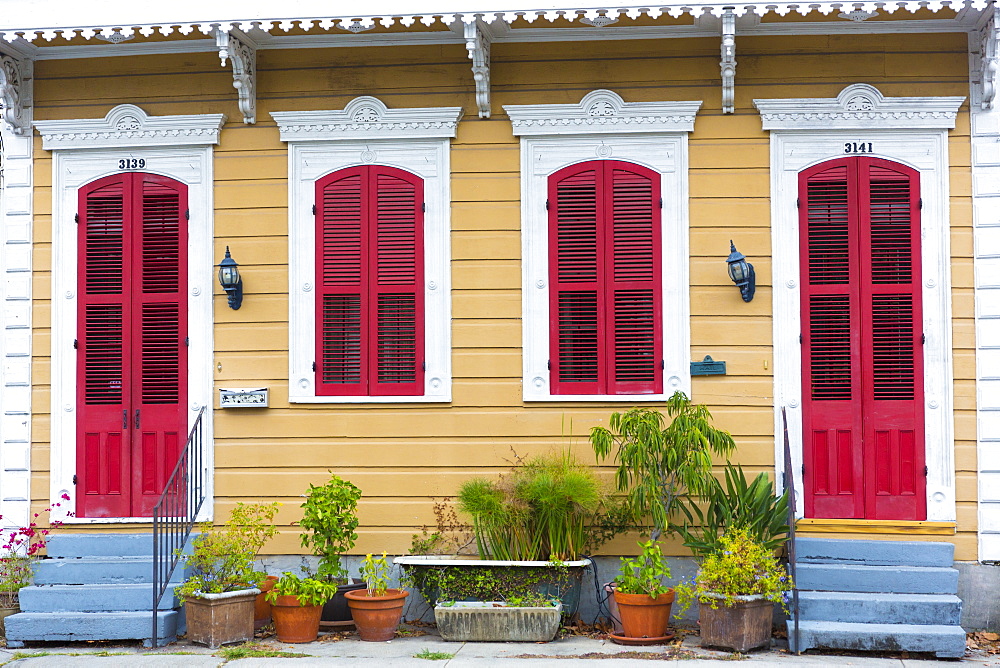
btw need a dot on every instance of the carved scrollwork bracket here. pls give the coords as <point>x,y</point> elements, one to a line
<point>15,97</point>
<point>477,42</point>
<point>989,58</point>
<point>242,51</point>
<point>728,63</point>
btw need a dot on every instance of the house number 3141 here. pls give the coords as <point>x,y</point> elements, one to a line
<point>857,147</point>
<point>132,163</point>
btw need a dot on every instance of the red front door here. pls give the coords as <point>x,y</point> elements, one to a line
<point>132,342</point>
<point>862,337</point>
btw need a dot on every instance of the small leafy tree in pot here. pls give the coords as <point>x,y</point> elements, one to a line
<point>643,599</point>
<point>298,604</point>
<point>330,514</point>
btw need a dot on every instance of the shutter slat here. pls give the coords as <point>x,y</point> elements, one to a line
<point>830,347</point>
<point>161,229</point>
<point>161,378</point>
<point>341,232</point>
<point>340,342</point>
<point>891,231</point>
<point>103,332</point>
<point>827,228</point>
<point>576,228</point>
<point>892,347</point>
<point>577,336</point>
<point>104,240</point>
<point>634,327</point>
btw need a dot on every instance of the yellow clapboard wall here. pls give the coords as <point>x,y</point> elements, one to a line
<point>404,456</point>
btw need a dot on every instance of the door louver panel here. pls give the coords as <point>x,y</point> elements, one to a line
<point>861,356</point>
<point>369,246</point>
<point>161,228</point>
<point>104,245</point>
<point>103,352</point>
<point>605,294</point>
<point>161,381</point>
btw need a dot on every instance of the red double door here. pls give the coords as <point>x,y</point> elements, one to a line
<point>132,342</point>
<point>862,338</point>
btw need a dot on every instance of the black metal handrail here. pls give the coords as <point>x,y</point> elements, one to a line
<point>175,513</point>
<point>790,486</point>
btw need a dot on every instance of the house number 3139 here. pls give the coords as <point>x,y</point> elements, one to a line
<point>132,163</point>
<point>857,147</point>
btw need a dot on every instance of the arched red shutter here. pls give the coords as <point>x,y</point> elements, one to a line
<point>370,310</point>
<point>862,417</point>
<point>604,276</point>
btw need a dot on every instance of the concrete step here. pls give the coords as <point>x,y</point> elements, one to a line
<point>98,570</point>
<point>93,598</point>
<point>942,640</point>
<point>100,545</point>
<point>873,552</point>
<point>76,626</point>
<point>890,579</point>
<point>874,608</point>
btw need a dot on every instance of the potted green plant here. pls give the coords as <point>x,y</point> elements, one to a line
<point>330,515</point>
<point>297,604</point>
<point>220,592</point>
<point>643,599</point>
<point>376,609</point>
<point>736,589</point>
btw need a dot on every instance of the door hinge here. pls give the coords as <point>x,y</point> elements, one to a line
<point>423,366</point>
<point>663,364</point>
<point>798,202</point>
<point>76,218</point>
<point>74,478</point>
<point>661,202</point>
<point>546,205</point>
<point>925,471</point>
<point>314,209</point>
<point>920,203</point>
<point>423,207</point>
<point>136,418</point>
<point>800,338</point>
<point>76,344</point>
<point>187,341</point>
<point>803,469</point>
<point>187,214</point>
<point>314,366</point>
<point>548,365</point>
<point>923,338</point>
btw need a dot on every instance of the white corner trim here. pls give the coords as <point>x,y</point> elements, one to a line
<point>367,117</point>
<point>859,107</point>
<point>15,327</point>
<point>602,112</point>
<point>926,150</point>
<point>128,126</point>
<point>547,148</point>
<point>71,169</point>
<point>331,145</point>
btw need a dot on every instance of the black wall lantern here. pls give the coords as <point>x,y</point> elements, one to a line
<point>231,281</point>
<point>741,272</point>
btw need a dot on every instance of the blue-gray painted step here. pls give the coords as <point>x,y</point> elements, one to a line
<point>873,552</point>
<point>98,570</point>
<point>890,579</point>
<point>873,608</point>
<point>941,640</point>
<point>76,626</point>
<point>93,598</point>
<point>100,545</point>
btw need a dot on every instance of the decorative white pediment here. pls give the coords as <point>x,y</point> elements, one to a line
<point>859,107</point>
<point>128,126</point>
<point>367,117</point>
<point>602,112</point>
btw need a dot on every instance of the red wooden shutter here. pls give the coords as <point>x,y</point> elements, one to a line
<point>862,363</point>
<point>604,277</point>
<point>103,367</point>
<point>369,258</point>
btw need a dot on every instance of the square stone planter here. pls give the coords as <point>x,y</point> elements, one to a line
<point>218,619</point>
<point>492,621</point>
<point>741,627</point>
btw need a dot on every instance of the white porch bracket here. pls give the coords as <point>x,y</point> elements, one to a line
<point>988,33</point>
<point>237,47</point>
<point>15,93</point>
<point>477,41</point>
<point>728,63</point>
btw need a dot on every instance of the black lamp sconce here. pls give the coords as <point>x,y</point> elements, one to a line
<point>231,281</point>
<point>741,272</point>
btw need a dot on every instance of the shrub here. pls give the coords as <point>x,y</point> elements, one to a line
<point>330,512</point>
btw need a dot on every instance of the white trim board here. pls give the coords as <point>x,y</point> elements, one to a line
<point>604,127</point>
<point>367,132</point>
<point>926,150</point>
<point>15,328</point>
<point>71,169</point>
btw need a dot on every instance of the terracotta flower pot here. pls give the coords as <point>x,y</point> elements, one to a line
<point>294,622</point>
<point>740,627</point>
<point>642,616</point>
<point>261,608</point>
<point>376,617</point>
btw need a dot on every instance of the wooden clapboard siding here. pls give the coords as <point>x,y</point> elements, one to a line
<point>404,455</point>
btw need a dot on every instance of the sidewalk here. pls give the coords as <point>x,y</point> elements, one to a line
<point>566,652</point>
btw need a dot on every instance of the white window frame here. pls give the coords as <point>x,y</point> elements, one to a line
<point>912,131</point>
<point>84,150</point>
<point>366,132</point>
<point>602,126</point>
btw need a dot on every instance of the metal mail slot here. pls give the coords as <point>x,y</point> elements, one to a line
<point>243,398</point>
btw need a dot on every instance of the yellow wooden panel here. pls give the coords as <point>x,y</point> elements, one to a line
<point>493,187</point>
<point>474,158</point>
<point>492,131</point>
<point>713,242</point>
<point>483,274</point>
<point>739,183</point>
<point>252,366</point>
<point>252,194</point>
<point>250,165</point>
<point>488,245</point>
<point>487,363</point>
<point>711,212</point>
<point>728,154</point>
<point>485,304</point>
<point>475,334</point>
<point>486,216</point>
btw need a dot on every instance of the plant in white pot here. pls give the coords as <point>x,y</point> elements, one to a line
<point>220,591</point>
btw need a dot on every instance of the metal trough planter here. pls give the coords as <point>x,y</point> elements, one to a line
<point>492,621</point>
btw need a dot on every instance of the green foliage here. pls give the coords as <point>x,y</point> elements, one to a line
<point>15,574</point>
<point>737,504</point>
<point>645,573</point>
<point>223,559</point>
<point>740,567</point>
<point>375,571</point>
<point>252,650</point>
<point>544,509</point>
<point>309,590</point>
<point>658,464</point>
<point>433,656</point>
<point>330,513</point>
<point>515,586</point>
